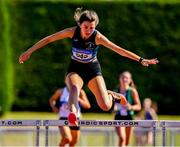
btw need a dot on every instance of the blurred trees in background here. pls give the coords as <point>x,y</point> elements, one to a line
<point>6,59</point>
<point>148,29</point>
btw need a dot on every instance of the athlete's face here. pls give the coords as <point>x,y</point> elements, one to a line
<point>147,104</point>
<point>125,79</point>
<point>87,28</point>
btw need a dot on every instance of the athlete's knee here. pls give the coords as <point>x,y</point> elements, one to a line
<point>65,140</point>
<point>74,88</point>
<point>122,139</point>
<point>73,142</point>
<point>68,139</point>
<point>105,107</point>
<point>107,104</point>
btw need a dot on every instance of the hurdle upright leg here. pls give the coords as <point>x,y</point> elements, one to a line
<point>154,133</point>
<point>38,123</point>
<point>46,123</point>
<point>163,134</point>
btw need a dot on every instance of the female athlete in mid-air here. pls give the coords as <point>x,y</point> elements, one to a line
<point>84,66</point>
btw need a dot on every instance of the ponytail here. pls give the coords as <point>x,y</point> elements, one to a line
<point>86,15</point>
<point>77,15</point>
<point>132,84</point>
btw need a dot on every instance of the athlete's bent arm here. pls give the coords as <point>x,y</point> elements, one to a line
<point>137,103</point>
<point>53,99</point>
<point>154,114</point>
<point>66,33</point>
<point>102,40</point>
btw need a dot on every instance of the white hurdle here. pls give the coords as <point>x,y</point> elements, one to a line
<point>166,124</point>
<point>103,123</point>
<point>93,123</point>
<point>35,123</point>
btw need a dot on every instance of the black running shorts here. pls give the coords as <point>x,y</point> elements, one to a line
<point>87,71</point>
<point>71,127</point>
<point>119,117</point>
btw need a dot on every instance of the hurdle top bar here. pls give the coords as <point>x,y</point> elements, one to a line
<point>168,123</point>
<point>20,122</point>
<point>89,123</point>
<point>108,123</point>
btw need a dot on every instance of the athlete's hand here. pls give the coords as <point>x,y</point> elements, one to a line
<point>24,56</point>
<point>147,62</point>
<point>129,106</point>
<point>55,109</point>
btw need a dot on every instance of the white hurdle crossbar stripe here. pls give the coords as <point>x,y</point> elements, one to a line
<point>169,124</point>
<point>20,123</point>
<point>102,123</point>
<point>35,123</point>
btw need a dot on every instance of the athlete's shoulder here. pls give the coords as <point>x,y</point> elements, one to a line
<point>71,28</point>
<point>66,88</point>
<point>70,31</point>
<point>59,90</point>
<point>98,34</point>
<point>132,89</point>
<point>100,38</point>
<point>133,92</point>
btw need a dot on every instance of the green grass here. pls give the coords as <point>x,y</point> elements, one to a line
<point>29,115</point>
<point>86,116</point>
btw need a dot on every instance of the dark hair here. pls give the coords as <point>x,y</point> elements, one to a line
<point>86,15</point>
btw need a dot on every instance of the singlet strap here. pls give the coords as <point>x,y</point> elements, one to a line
<point>76,32</point>
<point>129,95</point>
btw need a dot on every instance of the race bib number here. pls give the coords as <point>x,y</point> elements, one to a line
<point>123,112</point>
<point>83,55</point>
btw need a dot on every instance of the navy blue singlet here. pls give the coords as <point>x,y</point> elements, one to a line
<point>84,50</point>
